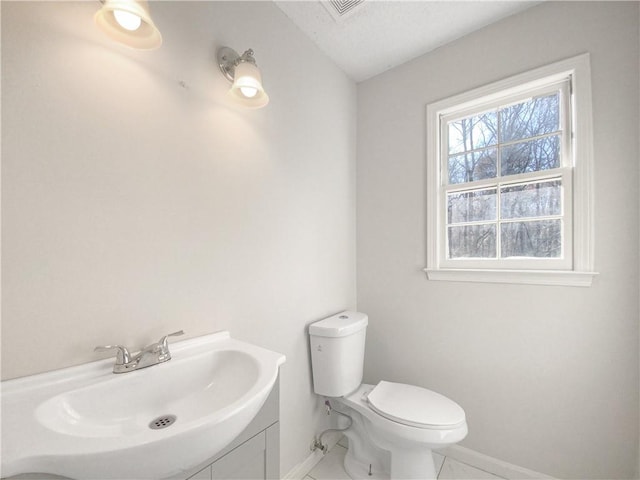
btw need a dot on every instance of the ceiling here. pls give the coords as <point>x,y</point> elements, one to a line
<point>375,35</point>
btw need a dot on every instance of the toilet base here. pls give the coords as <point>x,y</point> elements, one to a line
<point>403,467</point>
<point>409,464</point>
<point>366,460</point>
<point>363,459</point>
<point>358,470</point>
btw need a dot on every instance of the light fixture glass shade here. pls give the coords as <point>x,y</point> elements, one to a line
<point>247,86</point>
<point>129,22</point>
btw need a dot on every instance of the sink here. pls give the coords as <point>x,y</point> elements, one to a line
<point>86,422</point>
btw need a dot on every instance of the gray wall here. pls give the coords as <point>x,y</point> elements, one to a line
<point>137,199</point>
<point>548,376</point>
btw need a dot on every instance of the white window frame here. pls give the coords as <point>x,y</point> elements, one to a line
<point>576,265</point>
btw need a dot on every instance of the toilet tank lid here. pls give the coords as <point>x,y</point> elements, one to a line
<point>339,325</point>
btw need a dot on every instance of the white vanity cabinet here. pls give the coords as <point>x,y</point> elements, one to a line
<point>250,460</point>
<point>253,455</point>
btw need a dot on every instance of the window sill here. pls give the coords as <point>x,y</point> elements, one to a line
<point>529,277</point>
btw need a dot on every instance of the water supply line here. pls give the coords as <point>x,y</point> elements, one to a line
<point>317,442</point>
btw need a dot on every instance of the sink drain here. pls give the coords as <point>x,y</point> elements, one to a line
<point>162,422</point>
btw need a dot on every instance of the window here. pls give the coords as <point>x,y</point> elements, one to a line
<point>509,180</point>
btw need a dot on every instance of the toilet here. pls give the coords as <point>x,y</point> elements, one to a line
<point>394,426</point>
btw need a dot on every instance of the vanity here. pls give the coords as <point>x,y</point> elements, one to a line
<point>254,454</point>
<point>212,412</point>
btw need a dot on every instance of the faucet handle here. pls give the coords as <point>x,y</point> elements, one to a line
<point>122,355</point>
<point>163,340</point>
<point>163,346</point>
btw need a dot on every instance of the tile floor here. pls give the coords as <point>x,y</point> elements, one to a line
<point>331,467</point>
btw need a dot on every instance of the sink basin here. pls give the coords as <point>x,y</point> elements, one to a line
<point>86,422</point>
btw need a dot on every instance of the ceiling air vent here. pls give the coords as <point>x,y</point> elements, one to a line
<point>341,9</point>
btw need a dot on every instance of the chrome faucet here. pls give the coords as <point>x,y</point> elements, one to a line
<point>150,355</point>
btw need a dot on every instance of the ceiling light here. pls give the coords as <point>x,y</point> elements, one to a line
<point>128,22</point>
<point>244,73</point>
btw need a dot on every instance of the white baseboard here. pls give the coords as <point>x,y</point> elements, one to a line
<point>303,468</point>
<point>456,452</point>
<point>490,464</point>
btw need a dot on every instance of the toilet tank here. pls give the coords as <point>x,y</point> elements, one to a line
<point>337,353</point>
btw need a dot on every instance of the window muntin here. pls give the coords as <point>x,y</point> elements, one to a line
<point>505,174</point>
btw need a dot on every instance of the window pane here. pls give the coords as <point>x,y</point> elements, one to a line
<point>473,132</point>
<point>472,166</point>
<point>536,116</point>
<point>471,206</point>
<point>531,156</point>
<point>538,239</point>
<point>477,241</point>
<point>531,200</point>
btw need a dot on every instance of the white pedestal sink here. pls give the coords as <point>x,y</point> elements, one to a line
<point>87,422</point>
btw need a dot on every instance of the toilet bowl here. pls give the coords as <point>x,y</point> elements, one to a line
<point>408,434</point>
<point>394,426</point>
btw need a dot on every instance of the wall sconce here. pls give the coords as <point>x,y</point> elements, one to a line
<point>245,75</point>
<point>128,22</point>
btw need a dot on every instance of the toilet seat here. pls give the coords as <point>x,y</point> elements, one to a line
<point>415,406</point>
<point>388,431</point>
